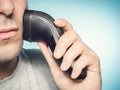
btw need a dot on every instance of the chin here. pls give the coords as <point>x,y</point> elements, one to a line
<point>10,52</point>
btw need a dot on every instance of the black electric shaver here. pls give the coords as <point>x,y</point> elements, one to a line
<point>39,26</point>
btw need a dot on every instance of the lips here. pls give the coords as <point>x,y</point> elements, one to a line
<point>7,33</point>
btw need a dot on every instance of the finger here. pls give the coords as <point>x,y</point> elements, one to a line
<point>79,65</point>
<point>89,60</point>
<point>64,43</point>
<point>62,23</point>
<point>73,52</point>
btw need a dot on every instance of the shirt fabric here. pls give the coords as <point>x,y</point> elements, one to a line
<point>32,73</point>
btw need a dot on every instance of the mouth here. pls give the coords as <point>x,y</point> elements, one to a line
<point>8,33</point>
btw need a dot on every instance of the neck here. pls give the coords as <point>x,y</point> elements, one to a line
<point>7,68</point>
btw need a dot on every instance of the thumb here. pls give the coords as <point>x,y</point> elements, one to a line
<point>47,54</point>
<point>56,72</point>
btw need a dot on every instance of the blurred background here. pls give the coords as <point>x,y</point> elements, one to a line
<point>98,24</point>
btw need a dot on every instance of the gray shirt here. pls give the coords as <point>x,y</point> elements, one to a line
<point>32,73</point>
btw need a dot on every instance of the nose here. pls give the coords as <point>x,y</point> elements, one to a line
<point>6,7</point>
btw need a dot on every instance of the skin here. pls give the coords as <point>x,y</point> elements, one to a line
<point>11,14</point>
<point>87,57</point>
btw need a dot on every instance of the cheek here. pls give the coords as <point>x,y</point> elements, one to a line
<point>20,7</point>
<point>18,18</point>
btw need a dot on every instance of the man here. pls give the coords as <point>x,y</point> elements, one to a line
<point>27,69</point>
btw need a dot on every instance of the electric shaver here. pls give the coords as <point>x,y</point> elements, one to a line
<point>39,26</point>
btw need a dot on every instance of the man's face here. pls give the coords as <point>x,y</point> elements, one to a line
<point>11,28</point>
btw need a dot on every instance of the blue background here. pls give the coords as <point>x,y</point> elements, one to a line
<point>98,24</point>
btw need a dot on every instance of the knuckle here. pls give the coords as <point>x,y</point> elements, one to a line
<point>94,57</point>
<point>79,47</point>
<point>73,34</point>
<point>66,57</point>
<point>64,21</point>
<point>61,42</point>
<point>93,54</point>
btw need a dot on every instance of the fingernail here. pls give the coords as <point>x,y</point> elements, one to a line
<point>73,76</point>
<point>59,21</point>
<point>57,53</point>
<point>63,66</point>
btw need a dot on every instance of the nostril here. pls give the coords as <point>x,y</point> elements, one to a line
<point>6,7</point>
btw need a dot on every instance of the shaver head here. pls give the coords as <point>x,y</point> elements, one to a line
<point>39,26</point>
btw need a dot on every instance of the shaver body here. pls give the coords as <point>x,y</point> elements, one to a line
<point>38,26</point>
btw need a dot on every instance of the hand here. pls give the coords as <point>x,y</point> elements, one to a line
<point>71,46</point>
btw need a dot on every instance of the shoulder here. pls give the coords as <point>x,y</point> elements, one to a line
<point>38,68</point>
<point>35,59</point>
<point>33,53</point>
<point>35,56</point>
